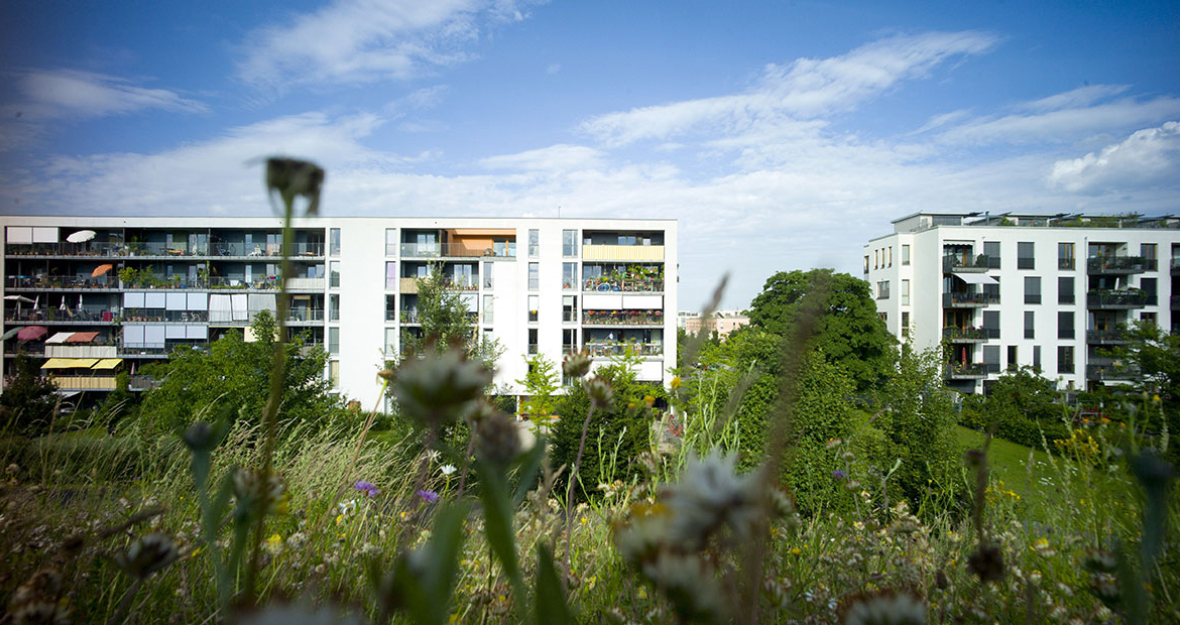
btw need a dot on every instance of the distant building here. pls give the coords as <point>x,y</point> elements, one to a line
<point>723,322</point>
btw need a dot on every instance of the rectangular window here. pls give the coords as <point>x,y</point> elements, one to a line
<point>391,242</point>
<point>991,358</point>
<point>569,276</point>
<point>569,308</point>
<point>534,304</point>
<point>334,241</point>
<point>876,259</point>
<point>905,323</point>
<point>890,255</point>
<point>1065,290</point>
<point>534,243</point>
<point>1065,324</point>
<point>1066,256</point>
<point>1037,357</point>
<point>905,255</point>
<point>390,341</point>
<point>991,324</point>
<point>391,277</point>
<point>334,273</point>
<point>391,309</point>
<point>534,276</point>
<point>866,263</point>
<point>1030,324</point>
<point>883,289</point>
<point>991,249</point>
<point>569,243</point>
<point>569,341</point>
<point>1032,290</point>
<point>488,281</point>
<point>1064,359</point>
<point>1012,362</point>
<point>905,292</point>
<point>334,341</point>
<point>1150,254</point>
<point>334,307</point>
<point>1148,318</point>
<point>1150,288</point>
<point>884,317</point>
<point>532,340</point>
<point>488,314</point>
<point>334,373</point>
<point>1025,255</point>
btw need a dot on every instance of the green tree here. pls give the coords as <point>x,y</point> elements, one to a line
<point>445,321</point>
<point>28,399</point>
<point>237,373</point>
<point>540,384</point>
<point>1154,356</point>
<point>849,333</point>
<point>1020,406</point>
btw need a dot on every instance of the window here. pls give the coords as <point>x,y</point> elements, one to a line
<point>334,273</point>
<point>391,309</point>
<point>1065,290</point>
<point>488,281</point>
<point>1066,255</point>
<point>1065,324</point>
<point>1029,324</point>
<point>569,243</point>
<point>1148,318</point>
<point>1025,256</point>
<point>876,259</point>
<point>569,276</point>
<point>991,249</point>
<point>866,263</point>
<point>1037,357</point>
<point>1065,359</point>
<point>1150,289</point>
<point>1150,254</point>
<point>890,255</point>
<point>334,307</point>
<point>334,373</point>
<point>569,308</point>
<point>534,243</point>
<point>488,315</point>
<point>991,324</point>
<point>905,255</point>
<point>1032,290</point>
<point>991,358</point>
<point>884,317</point>
<point>1012,362</point>
<point>534,304</point>
<point>569,341</point>
<point>534,276</point>
<point>334,341</point>
<point>883,289</point>
<point>905,323</point>
<point>333,241</point>
<point>532,340</point>
<point>391,243</point>
<point>905,292</point>
<point>391,277</point>
<point>390,341</point>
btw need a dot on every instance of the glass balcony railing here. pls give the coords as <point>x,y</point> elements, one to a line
<point>107,281</point>
<point>457,250</point>
<point>59,315</point>
<point>976,263</point>
<point>956,298</point>
<point>968,334</point>
<point>1115,264</point>
<point>1117,299</point>
<point>1107,337</point>
<point>965,371</point>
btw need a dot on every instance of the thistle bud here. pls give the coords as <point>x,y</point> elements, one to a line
<point>147,555</point>
<point>439,388</point>
<point>497,439</point>
<point>292,178</point>
<point>600,392</point>
<point>577,364</point>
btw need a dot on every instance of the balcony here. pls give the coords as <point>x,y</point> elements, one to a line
<point>84,383</point>
<point>624,285</point>
<point>46,283</point>
<point>956,299</point>
<point>1106,369</point>
<point>968,371</point>
<point>153,315</point>
<point>241,249</point>
<point>313,316</point>
<point>1117,300</point>
<point>1115,265</point>
<point>623,253</point>
<point>457,250</point>
<point>1176,266</point>
<point>264,283</point>
<point>409,317</point>
<point>216,249</point>
<point>607,349</point>
<point>969,335</point>
<point>86,316</point>
<point>623,317</point>
<point>408,285</point>
<point>1107,337</point>
<point>969,264</point>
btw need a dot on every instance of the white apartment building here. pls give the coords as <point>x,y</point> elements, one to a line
<point>134,288</point>
<point>1017,289</point>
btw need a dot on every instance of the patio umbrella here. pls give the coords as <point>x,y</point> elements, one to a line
<point>101,269</point>
<point>18,299</point>
<point>11,333</point>
<point>81,236</point>
<point>32,333</point>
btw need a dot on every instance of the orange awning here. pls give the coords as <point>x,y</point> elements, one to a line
<point>486,232</point>
<point>82,337</point>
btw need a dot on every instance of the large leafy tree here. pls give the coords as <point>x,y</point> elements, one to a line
<point>849,333</point>
<point>234,376</point>
<point>1154,356</point>
<point>28,399</point>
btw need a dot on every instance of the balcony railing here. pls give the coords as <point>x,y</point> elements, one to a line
<point>959,299</point>
<point>84,382</point>
<point>64,282</point>
<point>969,264</point>
<point>968,335</point>
<point>624,286</point>
<point>1109,371</point>
<point>1115,264</point>
<point>623,317</point>
<point>57,315</point>
<point>965,371</point>
<point>1117,299</point>
<point>1107,337</point>
<point>623,252</point>
<point>175,282</point>
<point>1066,263</point>
<point>456,250</point>
<point>163,250</point>
<point>149,315</point>
<point>617,348</point>
<point>409,316</point>
<point>306,316</point>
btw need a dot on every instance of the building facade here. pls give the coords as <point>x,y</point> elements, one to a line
<point>723,322</point>
<point>96,295</point>
<point>1053,292</point>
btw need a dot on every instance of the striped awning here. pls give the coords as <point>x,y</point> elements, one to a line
<point>60,337</point>
<point>69,363</point>
<point>82,337</point>
<point>108,363</point>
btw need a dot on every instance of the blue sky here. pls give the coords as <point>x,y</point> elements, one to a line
<point>782,135</point>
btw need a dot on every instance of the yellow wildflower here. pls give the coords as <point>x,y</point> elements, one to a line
<point>675,384</point>
<point>649,400</point>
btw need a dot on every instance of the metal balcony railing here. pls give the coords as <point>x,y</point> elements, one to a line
<point>1107,337</point>
<point>972,264</point>
<point>965,371</point>
<point>623,285</point>
<point>456,250</point>
<point>968,334</point>
<point>955,298</point>
<point>617,348</point>
<point>45,283</point>
<point>57,315</point>
<point>623,317</point>
<point>1115,264</point>
<point>1117,299</point>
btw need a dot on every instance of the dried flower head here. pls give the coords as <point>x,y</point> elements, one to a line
<point>201,436</point>
<point>600,392</point>
<point>576,364</point>
<point>253,492</point>
<point>711,495</point>
<point>389,375</point>
<point>497,439</point>
<point>292,178</point>
<point>439,388</point>
<point>148,554</point>
<point>884,607</point>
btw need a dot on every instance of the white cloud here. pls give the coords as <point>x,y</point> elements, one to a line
<point>560,157</point>
<point>356,41</point>
<point>55,94</point>
<point>1146,157</point>
<point>805,88</point>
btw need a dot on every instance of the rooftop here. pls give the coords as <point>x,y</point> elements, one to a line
<point>925,220</point>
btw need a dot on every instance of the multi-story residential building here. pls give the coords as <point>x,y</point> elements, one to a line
<point>723,322</point>
<point>131,289</point>
<point>1053,292</point>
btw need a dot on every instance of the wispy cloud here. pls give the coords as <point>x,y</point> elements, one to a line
<point>803,89</point>
<point>1146,157</point>
<point>357,41</point>
<point>559,157</point>
<point>55,94</point>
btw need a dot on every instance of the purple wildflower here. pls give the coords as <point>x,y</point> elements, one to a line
<point>839,475</point>
<point>370,488</point>
<point>428,496</point>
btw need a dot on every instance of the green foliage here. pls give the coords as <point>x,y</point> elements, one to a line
<point>1020,407</point>
<point>28,399</point>
<point>823,413</point>
<point>849,333</point>
<point>446,321</point>
<point>540,383</point>
<point>1155,356</point>
<point>237,373</point>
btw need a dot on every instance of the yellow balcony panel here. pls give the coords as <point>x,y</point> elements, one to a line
<point>409,285</point>
<point>625,253</point>
<point>87,383</point>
